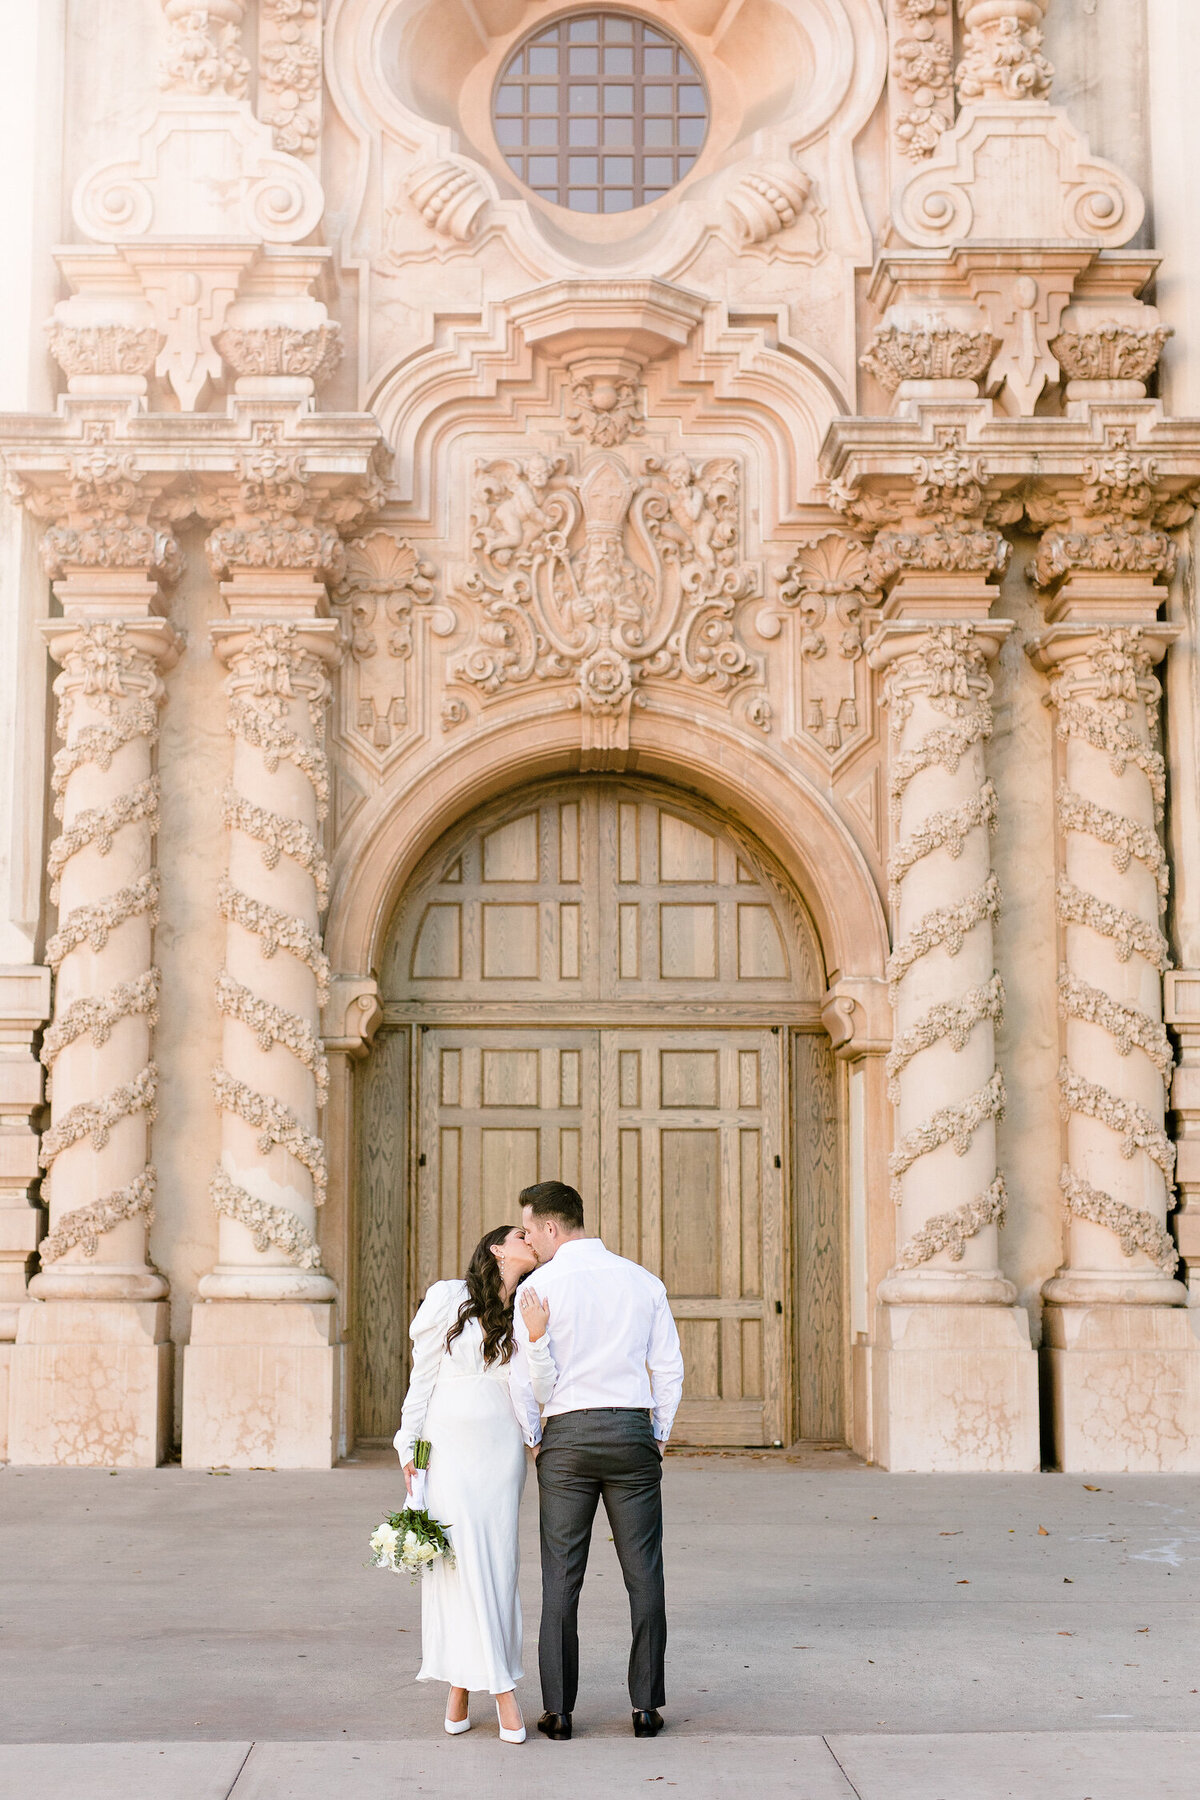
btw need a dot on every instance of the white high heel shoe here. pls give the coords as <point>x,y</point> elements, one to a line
<point>456,1727</point>
<point>509,1737</point>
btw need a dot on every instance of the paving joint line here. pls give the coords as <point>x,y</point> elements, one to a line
<point>837,1759</point>
<point>241,1769</point>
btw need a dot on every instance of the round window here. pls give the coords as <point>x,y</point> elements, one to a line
<point>600,112</point>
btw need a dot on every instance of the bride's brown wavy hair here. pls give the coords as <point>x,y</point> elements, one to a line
<point>485,1300</point>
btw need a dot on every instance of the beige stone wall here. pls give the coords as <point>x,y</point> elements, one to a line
<point>838,354</point>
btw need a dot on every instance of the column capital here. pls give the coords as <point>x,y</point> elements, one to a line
<point>112,659</point>
<point>1103,660</point>
<point>946,658</point>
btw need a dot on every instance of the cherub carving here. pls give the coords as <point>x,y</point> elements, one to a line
<point>510,507</point>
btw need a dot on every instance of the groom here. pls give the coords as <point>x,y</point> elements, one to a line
<point>614,1345</point>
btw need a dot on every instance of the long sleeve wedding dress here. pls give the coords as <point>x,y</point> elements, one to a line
<point>471,1613</point>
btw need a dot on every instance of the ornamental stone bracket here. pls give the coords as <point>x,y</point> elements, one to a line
<point>1010,322</point>
<point>189,315</point>
<point>1012,167</point>
<point>352,1015</point>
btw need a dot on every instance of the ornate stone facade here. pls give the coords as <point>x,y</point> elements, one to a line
<point>729,658</point>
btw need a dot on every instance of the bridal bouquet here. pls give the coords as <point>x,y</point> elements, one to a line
<point>410,1541</point>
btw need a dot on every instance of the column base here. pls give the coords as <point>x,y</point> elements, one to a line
<point>1124,1384</point>
<point>261,1281</point>
<point>261,1385</point>
<point>91,1384</point>
<point>100,1282</point>
<point>955,1389</point>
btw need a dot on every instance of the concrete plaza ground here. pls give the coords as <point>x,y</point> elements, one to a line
<point>837,1633</point>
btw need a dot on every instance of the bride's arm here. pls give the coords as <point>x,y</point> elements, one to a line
<point>525,1381</point>
<point>428,1333</point>
<point>533,1315</point>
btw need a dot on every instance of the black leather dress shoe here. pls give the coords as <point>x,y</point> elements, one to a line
<point>647,1724</point>
<point>557,1725</point>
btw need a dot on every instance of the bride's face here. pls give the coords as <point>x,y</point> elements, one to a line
<point>518,1257</point>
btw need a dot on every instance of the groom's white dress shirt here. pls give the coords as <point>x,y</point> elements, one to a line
<point>611,1341</point>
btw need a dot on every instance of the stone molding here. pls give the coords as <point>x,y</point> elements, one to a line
<point>24,1009</point>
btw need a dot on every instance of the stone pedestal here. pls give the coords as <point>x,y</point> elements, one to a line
<point>1125,1386</point>
<point>955,1389</point>
<point>262,1385</point>
<point>91,1384</point>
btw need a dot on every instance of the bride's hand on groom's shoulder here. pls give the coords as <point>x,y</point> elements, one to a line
<point>535,1312</point>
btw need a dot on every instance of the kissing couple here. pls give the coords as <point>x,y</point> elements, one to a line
<point>586,1369</point>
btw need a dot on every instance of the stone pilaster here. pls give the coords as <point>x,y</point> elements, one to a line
<point>1122,1357</point>
<point>953,1369</point>
<point>24,1009</point>
<point>262,1372</point>
<point>1182,1010</point>
<point>102,1325</point>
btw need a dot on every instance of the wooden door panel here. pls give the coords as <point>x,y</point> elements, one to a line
<point>689,1127</point>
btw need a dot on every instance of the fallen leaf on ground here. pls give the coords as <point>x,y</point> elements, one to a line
<point>1042,1532</point>
<point>949,1533</point>
<point>1066,1634</point>
<point>1089,1489</point>
<point>1142,1628</point>
<point>963,1583</point>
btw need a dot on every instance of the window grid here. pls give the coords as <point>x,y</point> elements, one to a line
<point>600,112</point>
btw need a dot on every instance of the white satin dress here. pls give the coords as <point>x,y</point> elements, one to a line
<point>470,1614</point>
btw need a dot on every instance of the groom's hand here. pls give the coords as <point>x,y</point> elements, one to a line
<point>535,1313</point>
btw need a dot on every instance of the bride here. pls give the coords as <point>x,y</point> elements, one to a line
<point>458,1397</point>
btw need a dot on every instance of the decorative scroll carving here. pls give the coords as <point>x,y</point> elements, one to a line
<point>289,73</point>
<point>605,580</point>
<point>386,578</point>
<point>828,584</point>
<point>953,1231</point>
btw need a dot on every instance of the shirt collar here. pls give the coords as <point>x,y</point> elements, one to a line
<point>578,1250</point>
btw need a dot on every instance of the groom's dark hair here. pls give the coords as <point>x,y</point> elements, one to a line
<point>554,1200</point>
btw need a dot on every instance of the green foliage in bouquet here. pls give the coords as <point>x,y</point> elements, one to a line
<point>410,1542</point>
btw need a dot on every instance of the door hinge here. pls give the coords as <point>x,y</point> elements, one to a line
<point>421,1160</point>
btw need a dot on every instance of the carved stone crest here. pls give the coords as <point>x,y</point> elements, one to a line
<point>828,584</point>
<point>385,579</point>
<point>605,579</point>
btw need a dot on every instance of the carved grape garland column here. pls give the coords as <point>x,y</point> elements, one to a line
<point>98,1047</point>
<point>273,1077</point>
<point>1117,1179</point>
<point>946,994</point>
<point>954,1375</point>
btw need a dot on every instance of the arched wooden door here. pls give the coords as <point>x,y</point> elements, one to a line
<point>599,983</point>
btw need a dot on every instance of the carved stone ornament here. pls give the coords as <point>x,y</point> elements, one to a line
<point>605,579</point>
<point>204,53</point>
<point>102,509</point>
<point>450,198</point>
<point>289,73</point>
<point>385,579</point>
<point>253,191</point>
<point>1002,51</point>
<point>276,515</point>
<point>828,584</point>
<point>102,349</point>
<point>605,408</point>
<point>1118,519</point>
<point>1110,351</point>
<point>767,200</point>
<point>283,350</point>
<point>934,351</point>
<point>921,70</point>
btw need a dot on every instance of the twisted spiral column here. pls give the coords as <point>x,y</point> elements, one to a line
<point>946,994</point>
<point>98,1048</point>
<point>1117,1179</point>
<point>273,1077</point>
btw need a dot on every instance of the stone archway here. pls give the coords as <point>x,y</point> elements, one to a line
<point>612,983</point>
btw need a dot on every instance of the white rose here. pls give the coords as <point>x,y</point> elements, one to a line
<point>410,1540</point>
